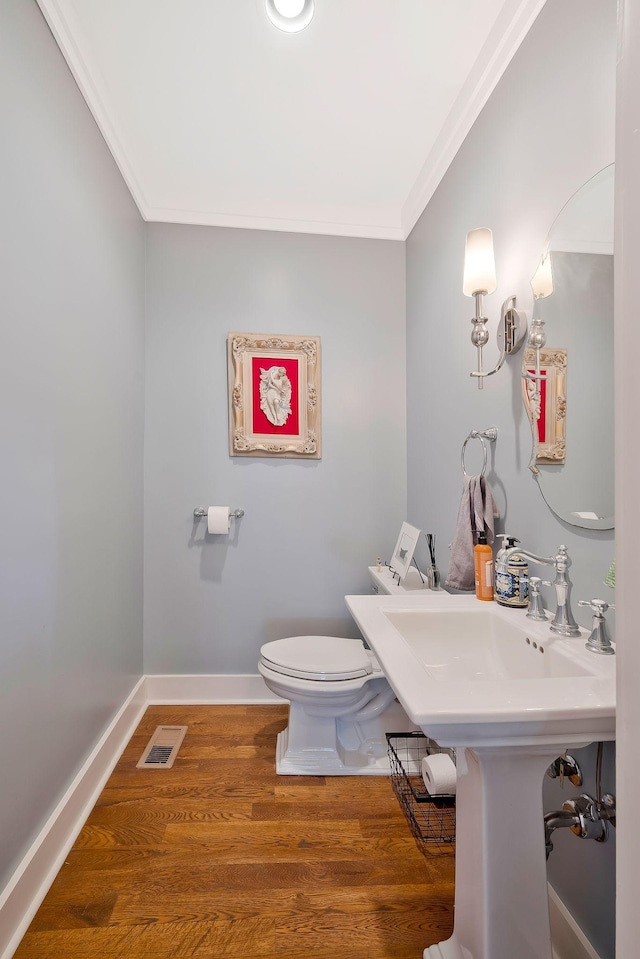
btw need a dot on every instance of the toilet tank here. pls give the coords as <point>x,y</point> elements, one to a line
<point>383,581</point>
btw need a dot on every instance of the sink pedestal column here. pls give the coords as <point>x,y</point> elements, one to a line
<point>501,901</point>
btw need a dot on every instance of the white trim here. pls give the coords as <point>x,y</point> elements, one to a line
<point>290,223</point>
<point>71,39</point>
<point>510,29</point>
<point>568,939</point>
<point>30,883</point>
<point>602,247</point>
<point>241,688</point>
<point>627,473</point>
<point>507,34</point>
<point>74,45</point>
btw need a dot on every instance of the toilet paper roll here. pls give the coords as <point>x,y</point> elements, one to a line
<point>439,774</point>
<point>218,519</point>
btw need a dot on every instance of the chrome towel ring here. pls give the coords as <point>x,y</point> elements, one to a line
<point>491,435</point>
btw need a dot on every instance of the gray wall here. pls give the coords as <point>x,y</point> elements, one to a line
<point>310,528</point>
<point>71,391</point>
<point>548,127</point>
<point>71,382</point>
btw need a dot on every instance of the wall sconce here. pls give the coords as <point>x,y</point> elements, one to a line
<point>542,285</point>
<point>479,281</point>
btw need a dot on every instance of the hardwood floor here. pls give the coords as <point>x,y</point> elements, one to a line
<point>220,857</point>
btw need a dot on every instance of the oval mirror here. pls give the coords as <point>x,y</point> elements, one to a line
<point>568,362</point>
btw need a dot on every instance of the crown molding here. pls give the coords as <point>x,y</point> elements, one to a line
<point>281,224</point>
<point>75,48</point>
<point>507,34</point>
<point>71,40</point>
<point>511,27</point>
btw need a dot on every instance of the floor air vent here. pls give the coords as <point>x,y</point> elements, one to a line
<point>162,749</point>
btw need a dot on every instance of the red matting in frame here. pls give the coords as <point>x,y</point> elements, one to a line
<point>260,422</point>
<point>542,419</point>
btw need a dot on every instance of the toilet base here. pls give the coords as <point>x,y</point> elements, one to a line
<point>326,746</point>
<point>325,764</point>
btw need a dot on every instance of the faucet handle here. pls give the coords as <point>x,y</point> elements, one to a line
<point>536,608</point>
<point>599,606</point>
<point>598,641</point>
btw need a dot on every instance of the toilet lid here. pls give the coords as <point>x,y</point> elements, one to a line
<point>317,657</point>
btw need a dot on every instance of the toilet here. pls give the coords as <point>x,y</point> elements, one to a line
<point>341,706</point>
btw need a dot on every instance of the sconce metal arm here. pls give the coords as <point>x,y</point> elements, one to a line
<point>511,333</point>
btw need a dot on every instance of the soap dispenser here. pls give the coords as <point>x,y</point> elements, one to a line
<point>483,568</point>
<point>512,578</point>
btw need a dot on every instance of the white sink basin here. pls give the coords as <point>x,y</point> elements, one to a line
<point>481,644</point>
<point>473,672</point>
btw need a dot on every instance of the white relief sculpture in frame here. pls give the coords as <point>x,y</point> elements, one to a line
<point>274,395</point>
<point>548,401</point>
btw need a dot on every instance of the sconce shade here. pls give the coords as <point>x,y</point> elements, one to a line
<point>542,282</point>
<point>479,263</point>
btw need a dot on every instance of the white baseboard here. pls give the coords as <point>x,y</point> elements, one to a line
<point>22,896</point>
<point>29,884</point>
<point>240,688</point>
<point>568,939</point>
<point>26,889</point>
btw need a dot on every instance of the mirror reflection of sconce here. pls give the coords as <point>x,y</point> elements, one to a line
<point>542,285</point>
<point>479,281</point>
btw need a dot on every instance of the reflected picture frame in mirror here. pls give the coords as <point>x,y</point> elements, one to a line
<point>546,404</point>
<point>568,364</point>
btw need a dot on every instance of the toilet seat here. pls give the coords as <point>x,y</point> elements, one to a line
<point>323,658</point>
<point>340,706</point>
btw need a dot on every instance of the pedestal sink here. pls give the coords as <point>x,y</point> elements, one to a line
<point>511,697</point>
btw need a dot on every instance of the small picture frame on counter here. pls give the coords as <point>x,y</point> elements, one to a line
<point>404,549</point>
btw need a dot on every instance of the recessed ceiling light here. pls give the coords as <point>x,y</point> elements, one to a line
<point>290,15</point>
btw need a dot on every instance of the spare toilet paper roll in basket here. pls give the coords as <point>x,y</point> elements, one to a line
<point>218,519</point>
<point>439,774</point>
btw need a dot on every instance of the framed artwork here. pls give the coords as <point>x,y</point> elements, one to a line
<point>274,395</point>
<point>547,405</point>
<point>404,550</point>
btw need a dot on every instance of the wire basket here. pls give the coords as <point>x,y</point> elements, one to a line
<point>432,818</point>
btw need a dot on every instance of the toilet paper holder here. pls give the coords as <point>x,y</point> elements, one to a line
<point>201,511</point>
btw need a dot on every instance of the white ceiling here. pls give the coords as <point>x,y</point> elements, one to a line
<point>216,117</point>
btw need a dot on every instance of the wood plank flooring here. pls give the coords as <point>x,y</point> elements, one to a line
<point>220,857</point>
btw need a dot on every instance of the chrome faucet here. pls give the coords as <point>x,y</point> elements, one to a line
<point>563,621</point>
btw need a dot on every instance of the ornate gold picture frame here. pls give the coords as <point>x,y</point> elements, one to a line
<point>274,395</point>
<point>547,405</point>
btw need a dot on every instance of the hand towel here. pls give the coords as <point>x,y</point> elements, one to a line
<point>476,514</point>
<point>484,507</point>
